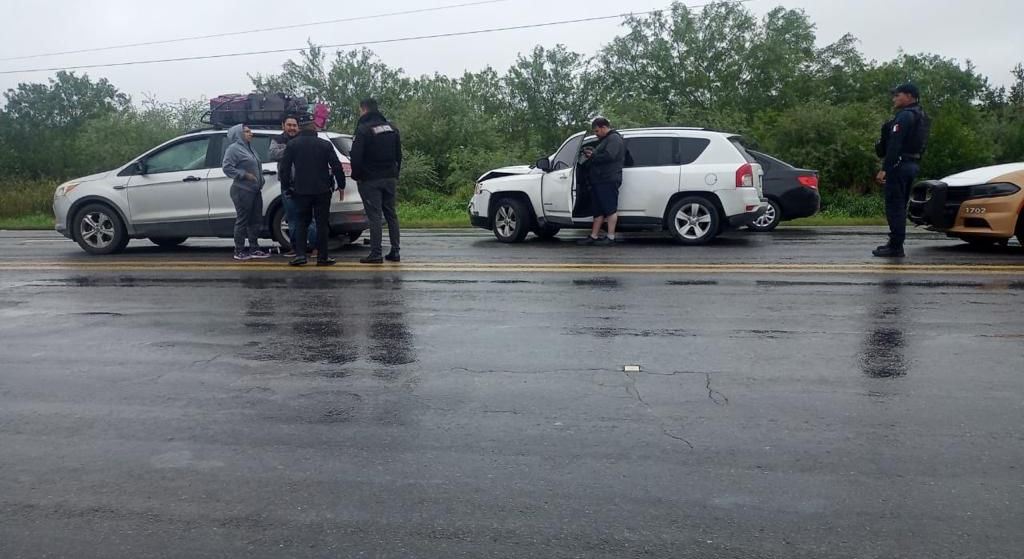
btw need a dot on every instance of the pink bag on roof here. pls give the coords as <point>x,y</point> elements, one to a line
<point>321,114</point>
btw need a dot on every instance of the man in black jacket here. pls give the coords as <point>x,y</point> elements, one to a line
<point>310,169</point>
<point>376,162</point>
<point>604,169</point>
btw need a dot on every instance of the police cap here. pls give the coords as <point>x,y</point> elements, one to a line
<point>909,89</point>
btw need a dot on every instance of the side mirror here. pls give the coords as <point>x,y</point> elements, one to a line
<point>544,164</point>
<point>140,167</point>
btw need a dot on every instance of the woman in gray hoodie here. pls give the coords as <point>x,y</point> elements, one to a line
<point>242,164</point>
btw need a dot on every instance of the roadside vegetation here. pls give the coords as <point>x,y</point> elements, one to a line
<point>719,67</point>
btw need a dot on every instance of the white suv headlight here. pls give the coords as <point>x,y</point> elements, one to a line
<point>66,188</point>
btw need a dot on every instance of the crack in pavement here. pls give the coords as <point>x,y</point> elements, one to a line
<point>714,395</point>
<point>633,390</point>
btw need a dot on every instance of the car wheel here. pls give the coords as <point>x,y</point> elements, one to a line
<point>693,220</point>
<point>167,242</point>
<point>511,220</point>
<point>354,236</point>
<point>769,220</point>
<point>547,232</point>
<point>279,230</point>
<point>99,230</point>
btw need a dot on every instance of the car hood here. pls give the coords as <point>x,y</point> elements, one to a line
<point>505,172</point>
<point>94,177</point>
<point>983,174</point>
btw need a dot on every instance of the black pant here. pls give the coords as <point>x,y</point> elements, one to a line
<point>307,207</point>
<point>898,183</point>
<point>379,198</point>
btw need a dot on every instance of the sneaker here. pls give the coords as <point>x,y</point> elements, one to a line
<point>326,262</point>
<point>603,242</point>
<point>393,256</point>
<point>289,254</point>
<point>586,241</point>
<point>242,255</point>
<point>258,253</point>
<point>372,260</point>
<point>889,252</point>
<point>299,261</point>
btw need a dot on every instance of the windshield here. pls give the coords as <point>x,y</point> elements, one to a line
<point>344,144</point>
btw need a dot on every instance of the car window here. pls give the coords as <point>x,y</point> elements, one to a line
<point>260,144</point>
<point>743,151</point>
<point>343,144</point>
<point>652,152</point>
<point>185,156</point>
<point>690,149</point>
<point>769,162</point>
<point>566,156</point>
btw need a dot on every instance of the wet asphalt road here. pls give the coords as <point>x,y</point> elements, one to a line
<point>172,404</point>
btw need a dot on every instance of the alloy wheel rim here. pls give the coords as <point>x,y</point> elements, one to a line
<point>693,221</point>
<point>768,218</point>
<point>506,221</point>
<point>97,229</point>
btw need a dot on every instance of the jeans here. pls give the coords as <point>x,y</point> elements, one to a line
<point>309,206</point>
<point>379,199</point>
<point>291,212</point>
<point>248,211</point>
<point>897,195</point>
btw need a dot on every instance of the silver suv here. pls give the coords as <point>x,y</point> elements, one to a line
<point>178,190</point>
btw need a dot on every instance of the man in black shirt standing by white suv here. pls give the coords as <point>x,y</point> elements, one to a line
<point>376,163</point>
<point>310,169</point>
<point>604,169</point>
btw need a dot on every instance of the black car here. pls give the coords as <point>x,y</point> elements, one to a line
<point>791,192</point>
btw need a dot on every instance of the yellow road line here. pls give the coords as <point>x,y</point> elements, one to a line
<point>464,267</point>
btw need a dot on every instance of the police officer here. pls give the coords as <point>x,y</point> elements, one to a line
<point>310,169</point>
<point>376,162</point>
<point>901,145</point>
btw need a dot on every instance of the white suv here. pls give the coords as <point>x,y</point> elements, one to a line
<point>178,190</point>
<point>689,181</point>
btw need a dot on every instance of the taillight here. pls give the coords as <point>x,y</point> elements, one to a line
<point>810,181</point>
<point>347,167</point>
<point>745,176</point>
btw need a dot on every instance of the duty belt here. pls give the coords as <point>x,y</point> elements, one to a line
<point>911,156</point>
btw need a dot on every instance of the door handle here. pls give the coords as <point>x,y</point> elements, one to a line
<point>190,178</point>
<point>269,172</point>
<point>563,178</point>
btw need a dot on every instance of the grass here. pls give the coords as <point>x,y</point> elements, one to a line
<point>31,222</point>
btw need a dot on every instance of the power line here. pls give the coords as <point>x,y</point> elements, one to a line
<point>261,30</point>
<point>359,43</point>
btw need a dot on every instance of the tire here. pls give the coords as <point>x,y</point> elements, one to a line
<point>980,242</point>
<point>693,221</point>
<point>547,232</point>
<point>511,220</point>
<point>769,221</point>
<point>279,229</point>
<point>98,229</point>
<point>354,236</point>
<point>167,242</point>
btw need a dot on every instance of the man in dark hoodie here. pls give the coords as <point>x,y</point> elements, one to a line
<point>310,172</point>
<point>376,164</point>
<point>242,164</point>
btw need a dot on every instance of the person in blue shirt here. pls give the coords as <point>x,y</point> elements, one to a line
<point>901,146</point>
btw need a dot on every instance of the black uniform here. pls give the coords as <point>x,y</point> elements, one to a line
<point>604,170</point>
<point>376,163</point>
<point>902,144</point>
<point>310,169</point>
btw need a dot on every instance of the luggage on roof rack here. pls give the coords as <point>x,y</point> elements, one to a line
<point>261,109</point>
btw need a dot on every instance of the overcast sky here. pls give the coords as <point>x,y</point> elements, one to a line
<point>987,32</point>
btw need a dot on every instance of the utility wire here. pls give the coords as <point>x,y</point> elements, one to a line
<point>358,43</point>
<point>261,30</point>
